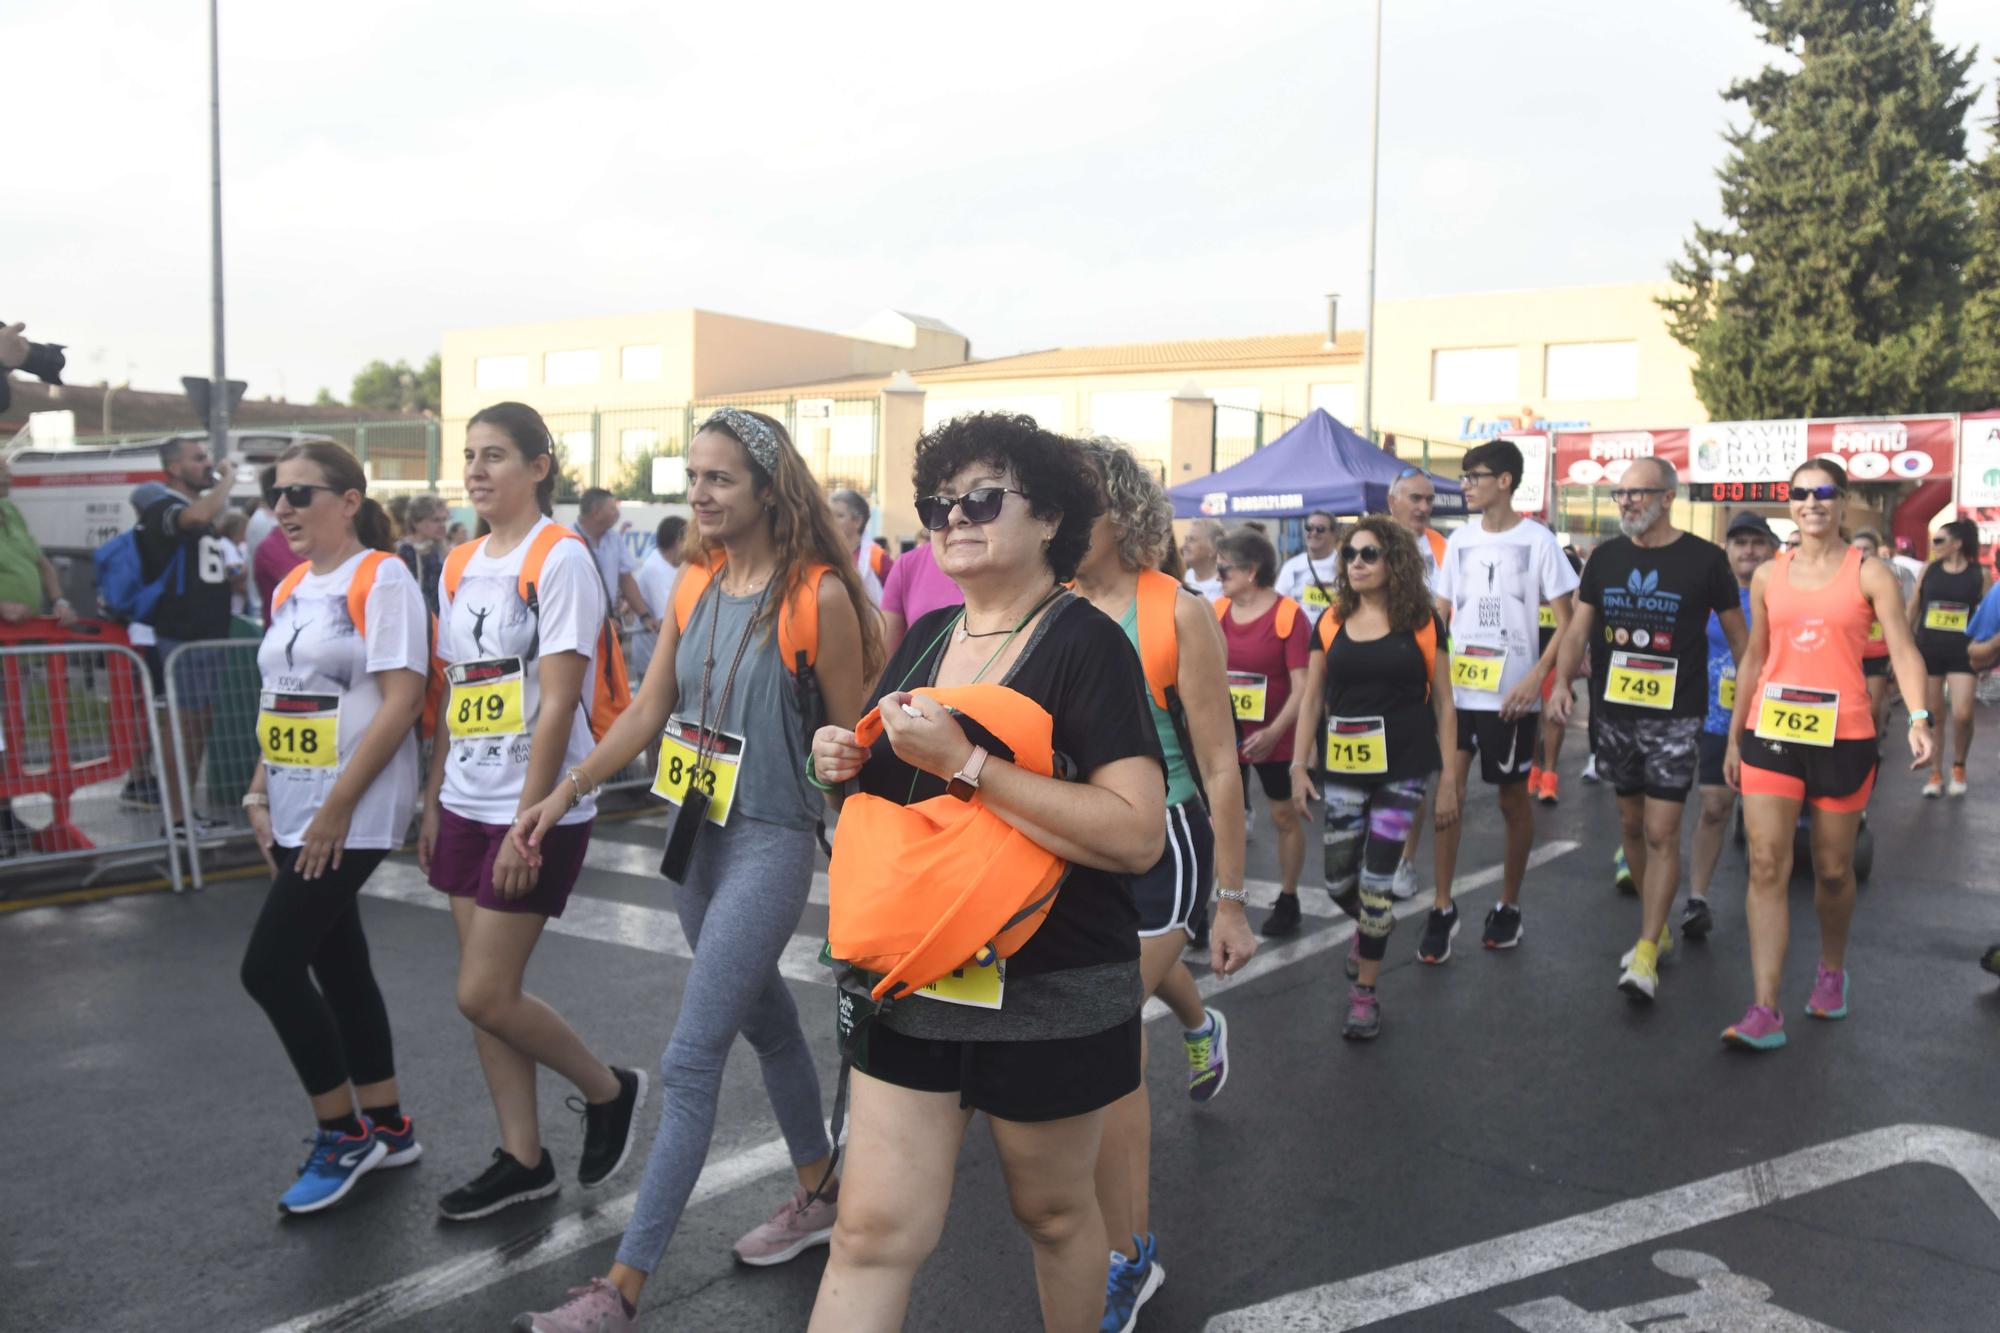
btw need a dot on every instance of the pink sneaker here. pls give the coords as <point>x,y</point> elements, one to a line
<point>595,1307</point>
<point>793,1229</point>
<point>1761,1028</point>
<point>1829,993</point>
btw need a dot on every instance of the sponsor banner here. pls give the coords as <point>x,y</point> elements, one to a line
<point>1217,504</point>
<point>1885,449</point>
<point>1600,457</point>
<point>1745,450</point>
<point>1979,476</point>
<point>1531,497</point>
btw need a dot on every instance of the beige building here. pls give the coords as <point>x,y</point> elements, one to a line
<point>1449,372</point>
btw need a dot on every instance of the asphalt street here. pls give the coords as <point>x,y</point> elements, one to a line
<point>1522,1149</point>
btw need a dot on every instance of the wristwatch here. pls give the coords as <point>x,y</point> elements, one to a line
<point>966,780</point>
<point>1919,715</point>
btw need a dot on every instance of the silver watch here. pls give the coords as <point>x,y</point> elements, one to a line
<point>1232,895</point>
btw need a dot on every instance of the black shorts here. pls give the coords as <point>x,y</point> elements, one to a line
<point>1945,656</point>
<point>1274,777</point>
<point>1877,666</point>
<point>1656,756</point>
<point>1836,777</point>
<point>1506,749</point>
<point>1714,749</point>
<point>1027,1081</point>
<point>1174,893</point>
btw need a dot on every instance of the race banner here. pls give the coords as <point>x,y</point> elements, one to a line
<point>1885,449</point>
<point>1979,475</point>
<point>1745,450</point>
<point>1872,449</point>
<point>1600,457</point>
<point>1531,497</point>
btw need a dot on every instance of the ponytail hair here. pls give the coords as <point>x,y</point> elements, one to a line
<point>524,426</point>
<point>343,471</point>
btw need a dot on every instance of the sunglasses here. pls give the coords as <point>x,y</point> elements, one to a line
<point>1363,555</point>
<point>1816,492</point>
<point>1223,571</point>
<point>1318,529</point>
<point>979,505</point>
<point>298,497</point>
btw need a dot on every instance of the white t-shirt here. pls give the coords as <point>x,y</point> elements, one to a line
<point>311,649</point>
<point>614,559</point>
<point>656,583</point>
<point>1496,583</point>
<point>1209,588</point>
<point>870,583</point>
<point>233,564</point>
<point>1295,580</point>
<point>488,621</point>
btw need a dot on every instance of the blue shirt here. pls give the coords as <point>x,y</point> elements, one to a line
<point>1985,621</point>
<point>1720,662</point>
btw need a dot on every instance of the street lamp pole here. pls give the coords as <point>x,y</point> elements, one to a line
<point>218,395</point>
<point>1368,291</point>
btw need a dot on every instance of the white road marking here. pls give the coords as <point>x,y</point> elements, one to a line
<point>1408,1288</point>
<point>657,930</point>
<point>643,860</point>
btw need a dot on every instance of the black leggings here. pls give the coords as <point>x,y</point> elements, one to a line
<point>338,1030</point>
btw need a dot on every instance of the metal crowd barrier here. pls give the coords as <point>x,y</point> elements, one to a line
<point>82,772</point>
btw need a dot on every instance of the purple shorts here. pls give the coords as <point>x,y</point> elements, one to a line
<point>462,864</point>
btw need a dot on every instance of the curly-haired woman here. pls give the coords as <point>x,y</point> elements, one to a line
<point>1385,690</point>
<point>1010,508</point>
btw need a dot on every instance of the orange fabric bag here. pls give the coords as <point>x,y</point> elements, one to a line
<point>917,891</point>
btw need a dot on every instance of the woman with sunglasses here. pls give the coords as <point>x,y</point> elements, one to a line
<point>1803,736</point>
<point>1010,507</point>
<point>514,719</point>
<point>333,797</point>
<point>1953,585</point>
<point>1385,689</point>
<point>1268,638</point>
<point>1196,733</point>
<point>766,540</point>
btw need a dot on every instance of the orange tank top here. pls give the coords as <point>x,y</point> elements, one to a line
<point>1817,640</point>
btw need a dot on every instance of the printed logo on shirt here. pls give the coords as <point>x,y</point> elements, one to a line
<point>1810,636</point>
<point>479,627</point>
<point>298,628</point>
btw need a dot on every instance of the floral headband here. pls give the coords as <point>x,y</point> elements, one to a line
<point>755,435</point>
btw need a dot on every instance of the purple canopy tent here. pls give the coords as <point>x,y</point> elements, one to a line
<point>1317,464</point>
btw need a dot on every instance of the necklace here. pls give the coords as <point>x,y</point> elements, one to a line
<point>961,633</point>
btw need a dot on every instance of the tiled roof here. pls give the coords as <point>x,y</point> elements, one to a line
<point>1194,354</point>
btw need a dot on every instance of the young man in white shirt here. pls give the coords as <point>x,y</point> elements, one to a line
<point>1308,578</point>
<point>1411,497</point>
<point>1496,574</point>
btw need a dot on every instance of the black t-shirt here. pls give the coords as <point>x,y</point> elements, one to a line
<point>1655,602</point>
<point>1384,678</point>
<point>1082,669</point>
<point>1941,585</point>
<point>195,603</point>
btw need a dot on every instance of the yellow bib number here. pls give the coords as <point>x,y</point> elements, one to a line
<point>1316,596</point>
<point>1875,632</point>
<point>1948,616</point>
<point>1247,693</point>
<point>1477,666</point>
<point>486,698</point>
<point>1546,618</point>
<point>1641,681</point>
<point>1356,745</point>
<point>1797,715</point>
<point>680,760</point>
<point>973,985</point>
<point>299,730</point>
<point>1725,690</point>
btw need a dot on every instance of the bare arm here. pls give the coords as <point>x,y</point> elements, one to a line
<point>894,627</point>
<point>1750,667</point>
<point>326,836</point>
<point>1204,690</point>
<point>561,678</point>
<point>201,511</point>
<point>628,588</point>
<point>1445,709</point>
<point>1879,586</point>
<point>1569,643</point>
<point>643,720</point>
<point>1521,700</point>
<point>1736,632</point>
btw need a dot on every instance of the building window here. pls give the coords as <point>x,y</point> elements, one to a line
<point>578,367</point>
<point>1337,399</point>
<point>1475,374</point>
<point>1592,370</point>
<point>500,372</point>
<point>579,450</point>
<point>642,363</point>
<point>638,441</point>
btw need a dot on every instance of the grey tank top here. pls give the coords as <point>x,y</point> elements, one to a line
<point>762,709</point>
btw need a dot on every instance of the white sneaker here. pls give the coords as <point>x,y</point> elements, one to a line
<point>1933,789</point>
<point>1405,886</point>
<point>1956,787</point>
<point>1590,770</point>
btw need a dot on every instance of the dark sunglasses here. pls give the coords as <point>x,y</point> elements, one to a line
<point>1816,492</point>
<point>981,504</point>
<point>1319,529</point>
<point>1360,555</point>
<point>1223,571</point>
<point>298,497</point>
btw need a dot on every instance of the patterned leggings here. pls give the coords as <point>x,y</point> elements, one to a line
<point>1365,831</point>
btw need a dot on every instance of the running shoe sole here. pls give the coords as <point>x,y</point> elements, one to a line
<point>1639,986</point>
<point>403,1158</point>
<point>785,1256</point>
<point>1769,1043</point>
<point>631,1133</point>
<point>1444,957</point>
<point>369,1163</point>
<point>1156,1278</point>
<point>1832,1013</point>
<point>1520,933</point>
<point>525,1196</point>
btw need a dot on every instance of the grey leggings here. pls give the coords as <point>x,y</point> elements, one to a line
<point>745,887</point>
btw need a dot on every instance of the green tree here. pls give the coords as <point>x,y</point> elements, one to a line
<point>1979,380</point>
<point>383,387</point>
<point>1834,286</point>
<point>636,481</point>
<point>326,398</point>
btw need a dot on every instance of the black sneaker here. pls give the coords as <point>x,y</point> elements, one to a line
<point>1696,919</point>
<point>501,1185</point>
<point>607,1129</point>
<point>1284,918</point>
<point>1503,928</point>
<point>1991,961</point>
<point>1439,930</point>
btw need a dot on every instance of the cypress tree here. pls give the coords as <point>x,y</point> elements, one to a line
<point>1834,286</point>
<point>1980,379</point>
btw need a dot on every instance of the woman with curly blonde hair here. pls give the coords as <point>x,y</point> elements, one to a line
<point>1385,689</point>
<point>1174,632</point>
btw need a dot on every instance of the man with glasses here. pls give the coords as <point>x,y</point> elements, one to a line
<point>1495,576</point>
<point>1309,577</point>
<point>1642,613</point>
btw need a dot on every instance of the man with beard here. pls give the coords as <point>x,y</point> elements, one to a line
<point>1642,610</point>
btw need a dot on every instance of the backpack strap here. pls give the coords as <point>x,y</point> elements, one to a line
<point>1222,608</point>
<point>528,583</point>
<point>1329,626</point>
<point>455,563</point>
<point>289,584</point>
<point>1427,642</point>
<point>1436,539</point>
<point>1159,644</point>
<point>1288,617</point>
<point>798,622</point>
<point>693,582</point>
<point>360,586</point>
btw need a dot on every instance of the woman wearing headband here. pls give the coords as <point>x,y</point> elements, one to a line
<point>733,720</point>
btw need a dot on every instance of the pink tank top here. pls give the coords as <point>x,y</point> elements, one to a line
<point>1817,640</point>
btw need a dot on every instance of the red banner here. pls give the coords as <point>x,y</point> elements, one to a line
<point>1885,449</point>
<point>1600,457</point>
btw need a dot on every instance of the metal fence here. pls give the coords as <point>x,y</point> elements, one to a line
<point>82,776</point>
<point>1242,431</point>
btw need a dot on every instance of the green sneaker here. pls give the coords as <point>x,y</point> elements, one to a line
<point>1622,874</point>
<point>1208,1058</point>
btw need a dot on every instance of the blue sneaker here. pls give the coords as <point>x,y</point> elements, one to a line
<point>1130,1285</point>
<point>336,1161</point>
<point>401,1141</point>
<point>1621,873</point>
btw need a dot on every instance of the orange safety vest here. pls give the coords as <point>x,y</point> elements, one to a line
<point>358,589</point>
<point>798,631</point>
<point>918,891</point>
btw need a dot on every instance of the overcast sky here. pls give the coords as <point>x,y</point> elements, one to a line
<point>1034,173</point>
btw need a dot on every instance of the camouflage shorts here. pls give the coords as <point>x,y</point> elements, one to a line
<point>1654,755</point>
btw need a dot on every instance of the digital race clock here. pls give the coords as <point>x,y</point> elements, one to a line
<point>1740,492</point>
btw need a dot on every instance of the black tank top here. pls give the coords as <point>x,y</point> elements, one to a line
<point>1940,585</point>
<point>1385,678</point>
